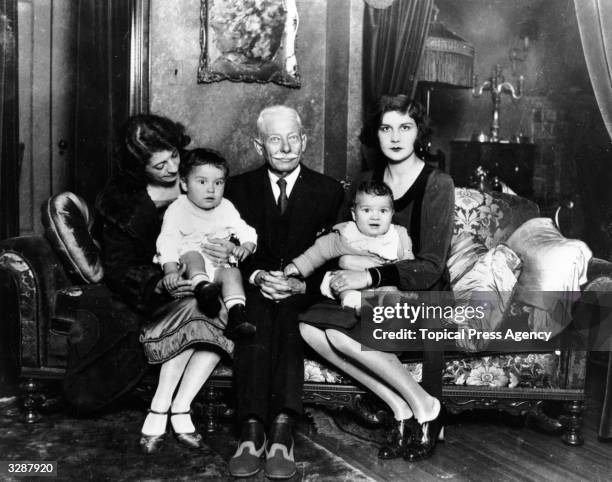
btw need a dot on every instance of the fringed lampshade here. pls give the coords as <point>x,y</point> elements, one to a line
<point>448,60</point>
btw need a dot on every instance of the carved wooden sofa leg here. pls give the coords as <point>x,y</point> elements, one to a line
<point>211,397</point>
<point>572,435</point>
<point>31,395</point>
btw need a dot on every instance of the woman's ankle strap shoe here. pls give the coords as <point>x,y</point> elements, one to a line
<point>192,440</point>
<point>150,410</point>
<point>400,438</point>
<point>150,444</point>
<point>188,412</point>
<point>424,439</point>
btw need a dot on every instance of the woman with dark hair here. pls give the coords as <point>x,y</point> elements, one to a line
<point>423,200</point>
<point>176,335</point>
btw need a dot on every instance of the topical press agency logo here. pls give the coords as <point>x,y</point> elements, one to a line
<point>432,320</point>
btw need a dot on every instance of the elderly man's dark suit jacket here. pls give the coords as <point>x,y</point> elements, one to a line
<point>269,367</point>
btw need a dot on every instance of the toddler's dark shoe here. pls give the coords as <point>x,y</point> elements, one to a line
<point>237,324</point>
<point>207,296</point>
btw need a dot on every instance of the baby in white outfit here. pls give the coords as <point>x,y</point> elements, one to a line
<point>370,234</point>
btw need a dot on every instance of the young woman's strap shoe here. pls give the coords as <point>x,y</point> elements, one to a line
<point>192,440</point>
<point>150,410</point>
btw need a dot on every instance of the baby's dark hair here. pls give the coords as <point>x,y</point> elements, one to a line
<point>373,188</point>
<point>202,156</point>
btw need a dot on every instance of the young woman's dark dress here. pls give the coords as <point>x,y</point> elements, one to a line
<point>426,210</point>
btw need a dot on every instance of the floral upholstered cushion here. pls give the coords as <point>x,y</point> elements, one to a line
<point>317,372</point>
<point>525,371</point>
<point>489,216</point>
<point>540,370</point>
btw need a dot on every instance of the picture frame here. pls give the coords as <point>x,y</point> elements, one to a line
<point>248,41</point>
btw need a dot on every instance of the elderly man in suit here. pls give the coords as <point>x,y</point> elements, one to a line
<point>288,205</point>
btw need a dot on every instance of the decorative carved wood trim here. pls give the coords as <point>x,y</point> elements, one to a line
<point>514,407</point>
<point>468,392</point>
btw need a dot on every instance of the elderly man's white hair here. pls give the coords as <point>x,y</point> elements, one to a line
<point>273,110</point>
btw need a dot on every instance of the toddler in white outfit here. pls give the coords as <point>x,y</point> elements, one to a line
<point>198,217</point>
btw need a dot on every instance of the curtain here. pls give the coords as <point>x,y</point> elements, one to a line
<point>595,25</point>
<point>393,41</point>
<point>102,93</point>
<point>9,125</point>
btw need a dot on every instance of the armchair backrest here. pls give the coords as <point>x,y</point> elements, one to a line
<point>68,223</point>
<point>489,216</point>
<point>482,221</point>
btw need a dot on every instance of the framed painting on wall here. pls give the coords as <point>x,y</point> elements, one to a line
<point>248,41</point>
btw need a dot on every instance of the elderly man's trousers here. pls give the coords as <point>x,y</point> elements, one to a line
<point>269,367</point>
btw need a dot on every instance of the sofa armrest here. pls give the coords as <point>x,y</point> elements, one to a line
<point>592,312</point>
<point>34,273</point>
<point>599,275</point>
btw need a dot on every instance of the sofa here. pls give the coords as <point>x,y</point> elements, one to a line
<point>38,287</point>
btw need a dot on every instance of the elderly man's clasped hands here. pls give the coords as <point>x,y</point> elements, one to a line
<point>274,285</point>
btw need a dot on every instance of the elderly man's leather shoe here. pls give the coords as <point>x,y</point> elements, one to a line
<point>247,459</point>
<point>280,462</point>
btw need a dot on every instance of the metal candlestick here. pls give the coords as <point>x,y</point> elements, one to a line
<point>497,86</point>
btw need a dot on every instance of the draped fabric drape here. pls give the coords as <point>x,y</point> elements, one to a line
<point>9,126</point>
<point>595,25</point>
<point>102,92</point>
<point>393,41</point>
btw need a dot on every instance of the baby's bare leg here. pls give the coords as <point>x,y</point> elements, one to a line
<point>196,267</point>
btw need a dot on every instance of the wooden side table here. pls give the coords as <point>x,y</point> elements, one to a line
<point>512,163</point>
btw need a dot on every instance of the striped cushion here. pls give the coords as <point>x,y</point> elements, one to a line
<point>465,252</point>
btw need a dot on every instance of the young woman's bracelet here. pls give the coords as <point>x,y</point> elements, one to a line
<point>375,275</point>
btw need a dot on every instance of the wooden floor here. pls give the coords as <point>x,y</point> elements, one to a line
<point>480,446</point>
<point>484,450</point>
<point>484,446</point>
